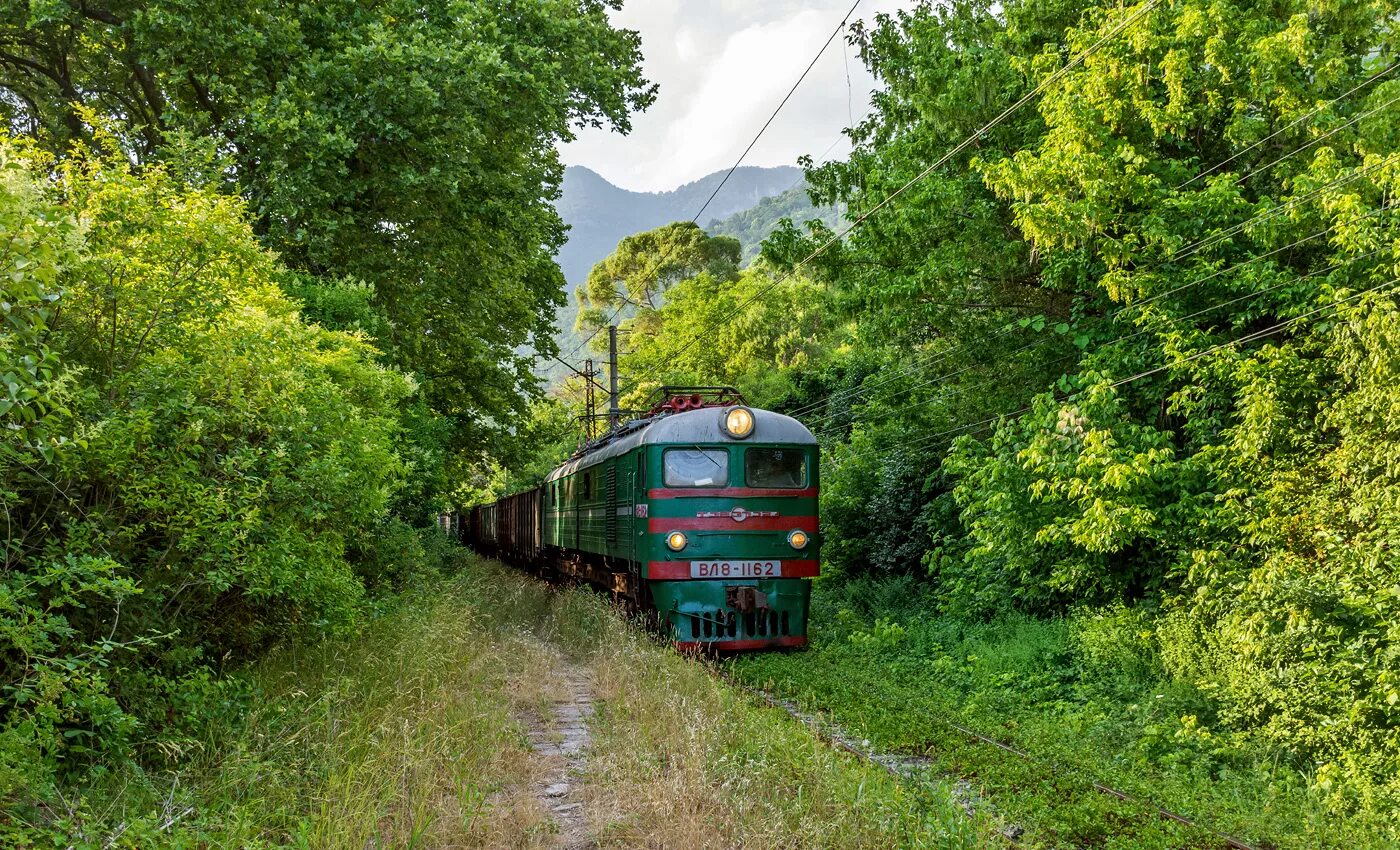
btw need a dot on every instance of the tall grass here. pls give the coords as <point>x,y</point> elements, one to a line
<point>1087,695</point>
<point>682,760</point>
<point>406,735</point>
<point>678,759</point>
<point>413,734</point>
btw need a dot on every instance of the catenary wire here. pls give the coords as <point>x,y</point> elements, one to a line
<point>1249,175</point>
<point>959,148</point>
<point>824,423</point>
<point>1194,247</point>
<point>1250,337</point>
<point>1210,241</point>
<point>695,219</point>
<point>1106,344</point>
<point>1137,305</point>
<point>839,27</point>
<point>819,159</point>
<point>1348,93</point>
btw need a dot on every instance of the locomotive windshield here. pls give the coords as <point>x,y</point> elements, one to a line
<point>776,468</point>
<point>696,467</point>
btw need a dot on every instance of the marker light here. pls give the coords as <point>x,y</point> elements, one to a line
<point>738,422</point>
<point>675,541</point>
<point>797,539</point>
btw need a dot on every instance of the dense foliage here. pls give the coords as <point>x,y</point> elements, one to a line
<point>271,272</point>
<point>406,145</point>
<point>754,225</point>
<point>197,471</point>
<point>1136,344</point>
<point>636,275</point>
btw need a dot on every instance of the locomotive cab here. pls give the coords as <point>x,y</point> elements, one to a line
<point>731,534</point>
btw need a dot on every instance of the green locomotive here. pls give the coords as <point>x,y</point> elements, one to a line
<point>702,513</point>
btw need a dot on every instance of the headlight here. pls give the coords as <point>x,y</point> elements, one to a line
<point>738,422</point>
<point>675,541</point>
<point>797,539</point>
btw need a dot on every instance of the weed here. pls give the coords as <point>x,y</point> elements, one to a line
<point>413,734</point>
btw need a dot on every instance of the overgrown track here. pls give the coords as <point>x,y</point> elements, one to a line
<point>903,766</point>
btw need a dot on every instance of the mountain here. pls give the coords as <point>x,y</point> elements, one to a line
<point>755,224</point>
<point>600,214</point>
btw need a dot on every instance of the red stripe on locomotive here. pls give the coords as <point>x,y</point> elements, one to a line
<point>664,525</point>
<point>727,492</point>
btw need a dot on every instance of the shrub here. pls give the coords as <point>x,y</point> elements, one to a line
<point>193,472</point>
<point>1116,641</point>
<point>1072,502</point>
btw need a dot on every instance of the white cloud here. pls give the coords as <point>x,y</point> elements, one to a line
<point>723,66</point>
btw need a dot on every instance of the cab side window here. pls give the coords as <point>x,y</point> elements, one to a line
<point>776,468</point>
<point>695,467</point>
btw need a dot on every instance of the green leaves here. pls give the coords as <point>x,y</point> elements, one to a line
<point>40,243</point>
<point>189,470</point>
<point>637,274</point>
<point>411,148</point>
<point>1106,288</point>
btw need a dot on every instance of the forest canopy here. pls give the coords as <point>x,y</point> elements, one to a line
<point>406,147</point>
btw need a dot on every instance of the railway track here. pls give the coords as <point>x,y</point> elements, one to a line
<point>906,767</point>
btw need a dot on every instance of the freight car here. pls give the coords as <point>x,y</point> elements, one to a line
<point>701,513</point>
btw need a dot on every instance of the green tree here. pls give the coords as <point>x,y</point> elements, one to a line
<point>750,331</point>
<point>953,315</point>
<point>40,243</point>
<point>405,145</point>
<point>1167,286</point>
<point>203,473</point>
<point>636,276</point>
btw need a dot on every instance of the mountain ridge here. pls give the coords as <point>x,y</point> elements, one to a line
<point>600,214</point>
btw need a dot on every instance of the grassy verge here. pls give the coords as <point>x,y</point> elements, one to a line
<point>680,760</point>
<point>1083,697</point>
<point>405,735</point>
<point>412,734</point>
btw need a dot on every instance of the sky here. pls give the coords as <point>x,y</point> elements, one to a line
<point>723,66</point>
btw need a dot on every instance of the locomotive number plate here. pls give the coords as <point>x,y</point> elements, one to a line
<point>736,569</point>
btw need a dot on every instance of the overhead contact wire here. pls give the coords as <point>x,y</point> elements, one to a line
<point>695,219</point>
<point>1118,314</point>
<point>1348,93</point>
<point>1250,337</point>
<point>824,423</point>
<point>959,148</point>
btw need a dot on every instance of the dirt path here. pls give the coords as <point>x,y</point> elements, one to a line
<point>561,741</point>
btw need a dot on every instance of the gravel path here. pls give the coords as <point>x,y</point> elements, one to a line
<point>562,741</point>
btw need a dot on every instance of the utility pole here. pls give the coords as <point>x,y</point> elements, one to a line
<point>590,409</point>
<point>588,374</point>
<point>614,411</point>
